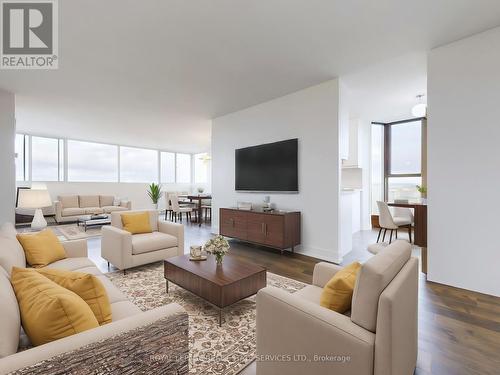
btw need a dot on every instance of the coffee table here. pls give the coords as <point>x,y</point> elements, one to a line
<point>219,285</point>
<point>90,221</point>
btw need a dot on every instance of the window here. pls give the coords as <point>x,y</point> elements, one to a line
<point>138,165</point>
<point>92,162</point>
<point>403,188</point>
<point>22,157</point>
<point>406,148</point>
<point>45,159</point>
<point>167,163</point>
<point>183,168</point>
<point>201,163</point>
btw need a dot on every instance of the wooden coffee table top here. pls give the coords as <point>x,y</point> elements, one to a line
<point>232,270</point>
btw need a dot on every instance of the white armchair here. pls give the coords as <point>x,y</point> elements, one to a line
<point>124,250</point>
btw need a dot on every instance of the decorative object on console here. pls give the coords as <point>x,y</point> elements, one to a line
<point>218,246</point>
<point>423,193</point>
<point>267,204</point>
<point>31,198</point>
<point>247,206</point>
<point>200,190</point>
<point>154,192</point>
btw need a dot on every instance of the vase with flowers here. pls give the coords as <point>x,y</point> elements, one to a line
<point>218,247</point>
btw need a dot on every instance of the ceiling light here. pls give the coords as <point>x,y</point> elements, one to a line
<point>419,109</point>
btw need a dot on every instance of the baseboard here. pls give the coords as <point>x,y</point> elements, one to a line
<point>319,253</point>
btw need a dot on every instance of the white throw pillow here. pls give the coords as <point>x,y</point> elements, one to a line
<point>116,201</point>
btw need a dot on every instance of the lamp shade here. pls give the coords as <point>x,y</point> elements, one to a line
<point>30,198</point>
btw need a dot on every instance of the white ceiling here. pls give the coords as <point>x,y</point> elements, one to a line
<point>154,72</point>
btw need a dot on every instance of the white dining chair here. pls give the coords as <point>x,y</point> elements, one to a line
<point>393,223</point>
<point>178,210</point>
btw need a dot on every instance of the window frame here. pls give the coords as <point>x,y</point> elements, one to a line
<point>387,152</point>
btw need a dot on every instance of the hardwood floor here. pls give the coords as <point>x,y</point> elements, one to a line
<point>459,330</point>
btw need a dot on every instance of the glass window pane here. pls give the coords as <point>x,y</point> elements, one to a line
<point>403,188</point>
<point>20,157</point>
<point>406,149</point>
<point>92,162</point>
<point>138,165</point>
<point>201,162</point>
<point>45,159</point>
<point>377,173</point>
<point>183,167</point>
<point>167,167</point>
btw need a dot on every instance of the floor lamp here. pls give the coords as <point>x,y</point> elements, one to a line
<point>37,199</point>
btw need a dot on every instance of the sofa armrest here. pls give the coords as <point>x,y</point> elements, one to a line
<point>155,340</point>
<point>288,325</point>
<point>76,248</point>
<point>58,210</point>
<point>116,246</point>
<point>126,204</point>
<point>174,229</point>
<point>323,272</point>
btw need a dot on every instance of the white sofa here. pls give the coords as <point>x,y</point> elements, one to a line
<point>124,250</point>
<point>125,315</point>
<point>72,207</point>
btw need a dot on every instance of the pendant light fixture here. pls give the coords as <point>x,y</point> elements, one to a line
<point>419,109</point>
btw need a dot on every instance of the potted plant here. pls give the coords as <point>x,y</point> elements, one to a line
<point>200,190</point>
<point>218,246</point>
<point>423,192</point>
<point>154,192</point>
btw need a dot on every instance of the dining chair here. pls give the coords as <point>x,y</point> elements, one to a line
<point>393,223</point>
<point>178,210</point>
<point>206,206</point>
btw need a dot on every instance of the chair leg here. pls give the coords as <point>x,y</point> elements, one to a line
<point>396,234</point>
<point>124,272</point>
<point>383,238</point>
<point>108,266</point>
<point>379,232</point>
<point>409,232</point>
<point>390,237</point>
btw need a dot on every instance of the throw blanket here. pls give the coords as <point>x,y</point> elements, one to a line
<point>157,348</point>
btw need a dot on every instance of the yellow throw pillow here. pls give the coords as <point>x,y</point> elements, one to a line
<point>337,293</point>
<point>136,223</point>
<point>49,312</point>
<point>87,287</point>
<point>41,248</point>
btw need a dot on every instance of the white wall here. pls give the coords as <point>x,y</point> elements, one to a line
<point>311,115</point>
<point>7,158</point>
<point>464,163</point>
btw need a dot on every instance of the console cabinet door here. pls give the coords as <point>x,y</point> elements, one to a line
<point>233,224</point>
<point>274,231</point>
<point>256,228</point>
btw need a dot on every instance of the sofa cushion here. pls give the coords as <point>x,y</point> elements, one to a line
<point>69,201</point>
<point>136,222</point>
<point>124,309</point>
<point>11,251</point>
<point>48,311</point>
<point>10,322</point>
<point>41,248</point>
<point>337,293</point>
<point>88,287</point>
<point>106,200</point>
<point>109,209</point>
<point>73,211</point>
<point>93,210</point>
<point>71,264</point>
<point>147,242</point>
<point>373,278</point>
<point>89,201</point>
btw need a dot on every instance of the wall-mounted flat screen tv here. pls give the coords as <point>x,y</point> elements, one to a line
<point>271,167</point>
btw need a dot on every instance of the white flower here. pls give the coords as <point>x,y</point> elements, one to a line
<point>217,245</point>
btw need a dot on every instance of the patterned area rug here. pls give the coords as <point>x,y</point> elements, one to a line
<point>213,349</point>
<point>75,232</point>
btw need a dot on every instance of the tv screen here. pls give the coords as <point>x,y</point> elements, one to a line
<point>268,167</point>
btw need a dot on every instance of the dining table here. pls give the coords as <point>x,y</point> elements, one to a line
<point>198,198</point>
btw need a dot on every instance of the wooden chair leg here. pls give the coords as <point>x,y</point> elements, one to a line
<point>390,236</point>
<point>409,232</point>
<point>396,234</point>
<point>379,233</point>
<point>383,238</point>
